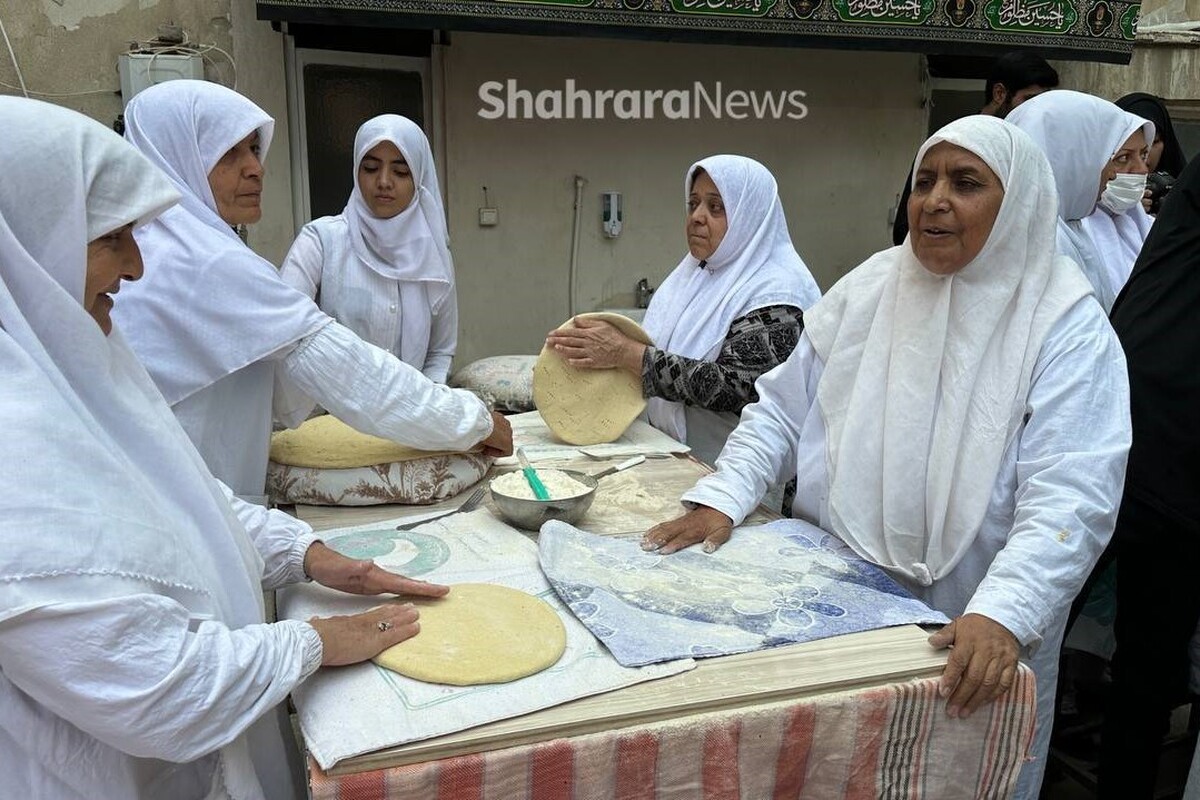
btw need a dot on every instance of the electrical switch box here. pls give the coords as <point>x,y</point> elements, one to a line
<point>142,70</point>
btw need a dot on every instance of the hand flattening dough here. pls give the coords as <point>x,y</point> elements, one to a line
<point>588,406</point>
<point>326,442</point>
<point>479,633</point>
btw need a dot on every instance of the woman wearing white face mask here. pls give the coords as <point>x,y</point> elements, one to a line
<point>1098,154</point>
<point>382,267</point>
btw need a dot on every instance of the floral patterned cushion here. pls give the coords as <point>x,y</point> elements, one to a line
<point>504,382</point>
<point>417,482</point>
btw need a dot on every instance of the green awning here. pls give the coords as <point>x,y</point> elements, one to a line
<point>1082,30</point>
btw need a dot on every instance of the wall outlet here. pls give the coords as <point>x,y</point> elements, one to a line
<point>489,217</point>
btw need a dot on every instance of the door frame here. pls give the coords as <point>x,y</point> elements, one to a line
<point>297,58</point>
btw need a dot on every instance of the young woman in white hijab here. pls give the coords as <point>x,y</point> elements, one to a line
<point>215,326</point>
<point>957,411</point>
<point>729,312</point>
<point>382,267</point>
<point>1098,154</point>
<point>134,661</point>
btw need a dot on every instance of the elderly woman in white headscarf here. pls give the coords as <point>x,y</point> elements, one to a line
<point>382,267</point>
<point>215,326</point>
<point>957,411</point>
<point>1098,154</point>
<point>134,658</point>
<point>729,312</point>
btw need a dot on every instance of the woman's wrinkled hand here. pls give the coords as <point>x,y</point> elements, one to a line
<point>594,344</point>
<point>358,576</point>
<point>499,442</point>
<point>349,640</point>
<point>982,664</point>
<point>701,524</point>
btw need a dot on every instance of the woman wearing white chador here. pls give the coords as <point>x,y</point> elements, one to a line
<point>957,411</point>
<point>218,330</point>
<point>382,267</point>
<point>134,658</point>
<point>1100,172</point>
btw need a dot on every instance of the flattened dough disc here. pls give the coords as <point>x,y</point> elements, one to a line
<point>326,442</point>
<point>479,633</point>
<point>588,406</point>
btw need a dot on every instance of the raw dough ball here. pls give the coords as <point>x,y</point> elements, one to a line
<point>479,633</point>
<point>588,406</point>
<point>326,442</point>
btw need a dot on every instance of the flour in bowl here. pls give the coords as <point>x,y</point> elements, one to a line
<point>559,484</point>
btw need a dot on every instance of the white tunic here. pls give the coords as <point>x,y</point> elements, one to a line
<point>1052,509</point>
<point>323,265</point>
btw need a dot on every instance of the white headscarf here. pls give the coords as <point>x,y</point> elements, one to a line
<point>1079,134</point>
<point>411,247</point>
<point>104,494</point>
<point>754,266</point>
<point>926,375</point>
<point>208,305</point>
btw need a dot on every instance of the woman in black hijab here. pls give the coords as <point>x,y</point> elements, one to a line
<point>1157,540</point>
<point>1169,157</point>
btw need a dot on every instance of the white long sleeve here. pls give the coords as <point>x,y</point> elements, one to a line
<point>376,393</point>
<point>281,540</point>
<point>131,673</point>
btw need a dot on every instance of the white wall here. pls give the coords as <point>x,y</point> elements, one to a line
<point>839,169</point>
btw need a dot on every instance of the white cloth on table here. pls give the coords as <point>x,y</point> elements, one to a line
<point>227,341</point>
<point>133,661</point>
<point>1030,556</point>
<point>1079,134</point>
<point>390,280</point>
<point>754,266</point>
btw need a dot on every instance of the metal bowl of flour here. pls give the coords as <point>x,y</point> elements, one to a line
<point>530,514</point>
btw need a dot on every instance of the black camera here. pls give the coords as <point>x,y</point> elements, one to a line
<point>1159,183</point>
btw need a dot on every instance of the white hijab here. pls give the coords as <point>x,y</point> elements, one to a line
<point>104,494</point>
<point>926,376</point>
<point>208,305</point>
<point>1079,134</point>
<point>411,247</point>
<point>754,266</point>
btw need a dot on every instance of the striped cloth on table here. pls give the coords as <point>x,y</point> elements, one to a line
<point>886,743</point>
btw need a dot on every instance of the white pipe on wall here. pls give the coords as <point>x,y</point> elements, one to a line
<point>580,182</point>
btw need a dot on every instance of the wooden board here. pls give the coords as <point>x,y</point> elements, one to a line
<point>845,663</point>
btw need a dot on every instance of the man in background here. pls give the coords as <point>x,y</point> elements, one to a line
<point>1013,78</point>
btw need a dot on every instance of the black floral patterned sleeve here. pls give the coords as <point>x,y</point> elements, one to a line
<point>756,343</point>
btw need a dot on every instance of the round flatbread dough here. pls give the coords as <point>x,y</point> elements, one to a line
<point>479,633</point>
<point>326,442</point>
<point>588,406</point>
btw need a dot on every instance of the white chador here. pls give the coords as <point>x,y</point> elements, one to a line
<point>968,433</point>
<point>133,658</point>
<point>754,266</point>
<point>1080,134</point>
<point>218,330</point>
<point>391,281</point>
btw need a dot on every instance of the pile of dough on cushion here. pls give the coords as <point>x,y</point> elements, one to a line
<point>326,462</point>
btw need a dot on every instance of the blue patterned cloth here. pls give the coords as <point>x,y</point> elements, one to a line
<point>773,584</point>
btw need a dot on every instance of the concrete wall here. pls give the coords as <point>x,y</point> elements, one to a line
<point>68,55</point>
<point>839,169</point>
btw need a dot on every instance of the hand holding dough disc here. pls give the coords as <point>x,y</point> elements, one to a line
<point>326,442</point>
<point>479,633</point>
<point>588,406</point>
